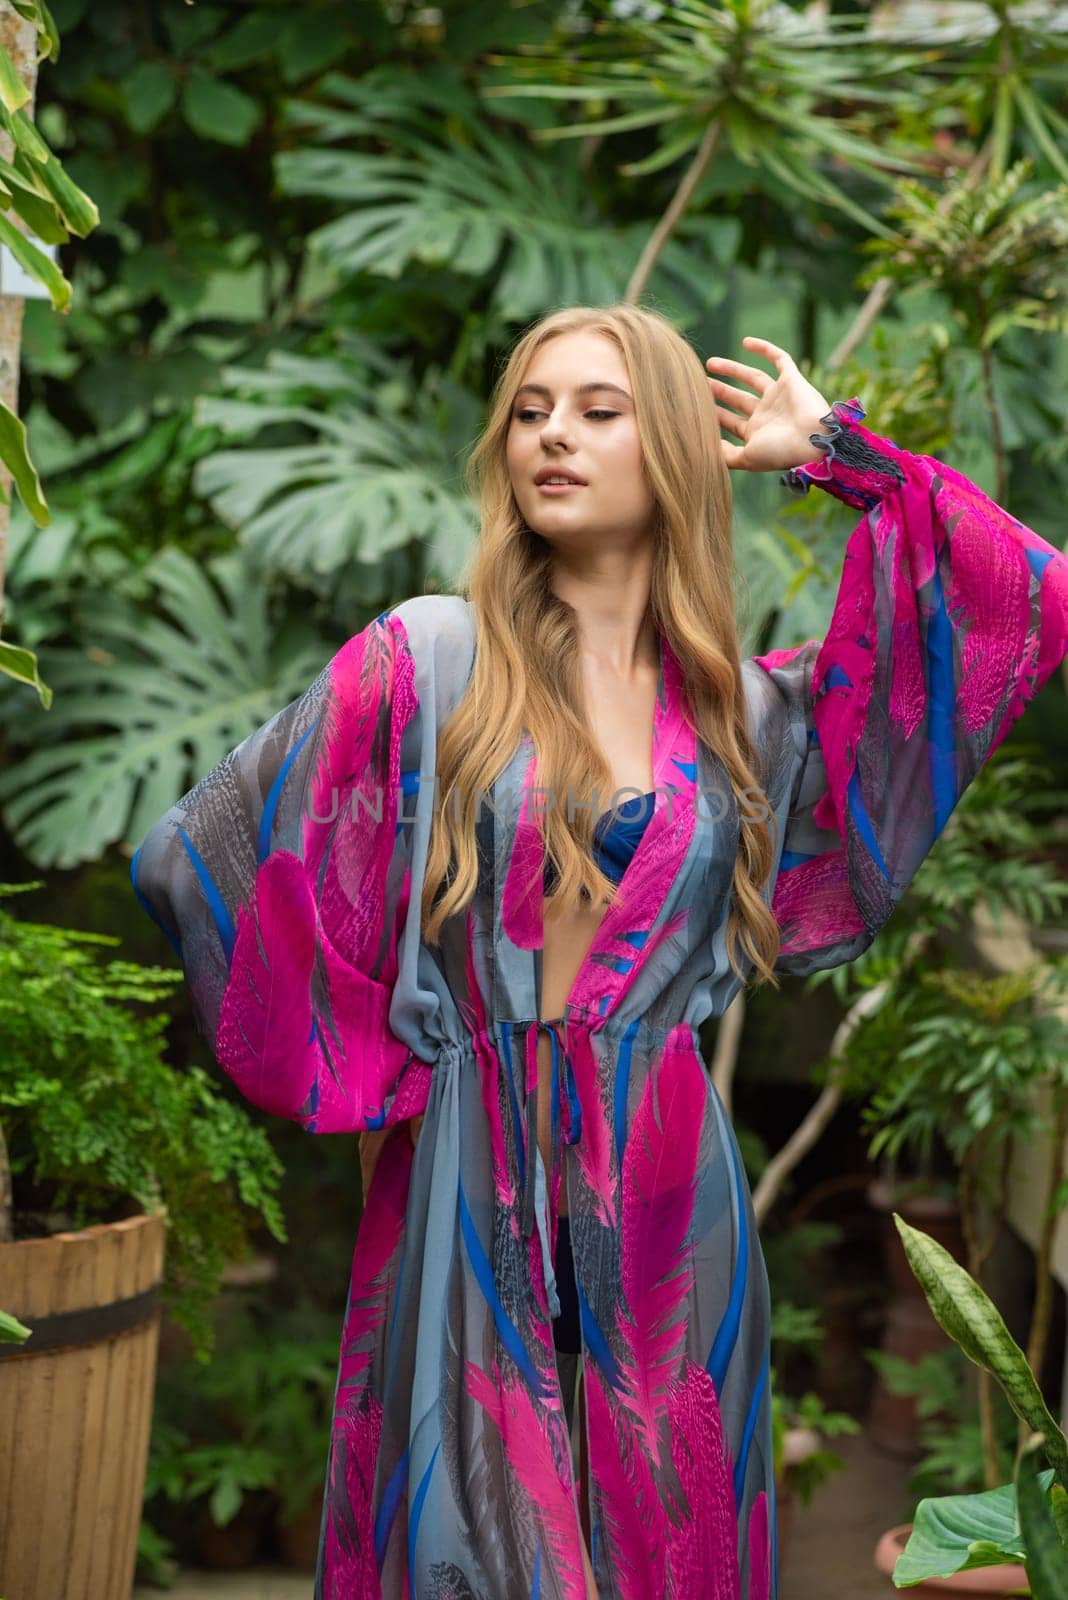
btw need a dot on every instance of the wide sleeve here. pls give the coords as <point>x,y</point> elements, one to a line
<point>950,616</point>
<point>272,879</point>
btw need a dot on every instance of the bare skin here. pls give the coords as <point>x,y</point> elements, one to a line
<point>620,711</point>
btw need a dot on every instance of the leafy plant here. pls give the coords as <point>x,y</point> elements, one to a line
<point>376,463</point>
<point>808,1416</point>
<point>994,252</point>
<point>96,1119</point>
<point>456,192</point>
<point>42,195</point>
<point>1014,1522</point>
<point>164,699</point>
<point>776,87</point>
<point>950,1433</point>
<point>257,1417</point>
<point>950,1059</point>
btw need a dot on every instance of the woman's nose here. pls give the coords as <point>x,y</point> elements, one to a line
<point>554,431</point>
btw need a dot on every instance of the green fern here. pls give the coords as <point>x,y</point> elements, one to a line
<point>93,1112</point>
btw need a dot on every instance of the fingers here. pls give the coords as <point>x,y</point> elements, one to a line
<point>764,347</point>
<point>741,399</point>
<point>730,423</point>
<point>416,1124</point>
<point>760,381</point>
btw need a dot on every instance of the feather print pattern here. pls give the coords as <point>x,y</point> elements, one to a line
<point>659,1177</point>
<point>539,1454</point>
<point>296,915</point>
<point>703,1548</point>
<point>631,1515</point>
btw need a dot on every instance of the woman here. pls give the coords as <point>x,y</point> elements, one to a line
<point>358,897</point>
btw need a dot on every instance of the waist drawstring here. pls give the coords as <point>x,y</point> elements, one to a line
<point>564,1093</point>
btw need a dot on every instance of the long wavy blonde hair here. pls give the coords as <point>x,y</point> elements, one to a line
<point>527,676</point>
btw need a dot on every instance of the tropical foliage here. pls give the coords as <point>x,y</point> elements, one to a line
<point>1026,1520</point>
<point>320,228</point>
<point>50,207</point>
<point>282,357</point>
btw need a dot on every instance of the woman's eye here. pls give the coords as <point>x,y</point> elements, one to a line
<point>531,411</point>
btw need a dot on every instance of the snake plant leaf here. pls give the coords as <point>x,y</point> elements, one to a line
<point>1046,1559</point>
<point>21,665</point>
<point>1059,1509</point>
<point>148,704</point>
<point>970,1318</point>
<point>12,1331</point>
<point>962,1532</point>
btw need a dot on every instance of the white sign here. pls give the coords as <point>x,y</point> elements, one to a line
<point>14,280</point>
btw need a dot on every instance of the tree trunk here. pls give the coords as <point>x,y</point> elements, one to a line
<point>19,39</point>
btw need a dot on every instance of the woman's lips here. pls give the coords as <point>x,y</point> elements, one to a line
<point>558,488</point>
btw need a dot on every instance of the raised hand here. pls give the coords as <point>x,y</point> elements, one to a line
<point>773,424</point>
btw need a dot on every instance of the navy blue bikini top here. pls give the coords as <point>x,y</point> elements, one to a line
<point>616,836</point>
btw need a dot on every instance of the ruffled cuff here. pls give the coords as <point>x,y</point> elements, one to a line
<point>855,466</point>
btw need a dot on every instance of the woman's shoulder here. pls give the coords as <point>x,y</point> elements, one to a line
<point>436,620</point>
<point>440,633</point>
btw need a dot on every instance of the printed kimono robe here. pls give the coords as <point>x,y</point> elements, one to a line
<point>289,879</point>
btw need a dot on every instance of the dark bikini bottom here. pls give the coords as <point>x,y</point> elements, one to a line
<point>566,1336</point>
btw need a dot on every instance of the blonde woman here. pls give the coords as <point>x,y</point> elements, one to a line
<point>492,872</point>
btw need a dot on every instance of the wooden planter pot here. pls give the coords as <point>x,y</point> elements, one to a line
<point>76,1408</point>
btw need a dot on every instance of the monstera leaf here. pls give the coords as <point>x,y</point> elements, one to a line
<point>362,461</point>
<point>457,193</point>
<point>149,705</point>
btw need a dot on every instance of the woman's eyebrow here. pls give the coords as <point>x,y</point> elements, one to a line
<point>583,388</point>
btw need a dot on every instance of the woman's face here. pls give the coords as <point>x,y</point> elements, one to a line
<point>575,415</point>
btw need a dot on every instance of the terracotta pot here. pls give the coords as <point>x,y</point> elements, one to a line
<point>298,1541</point>
<point>76,1407</point>
<point>237,1544</point>
<point>785,1500</point>
<point>984,1583</point>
